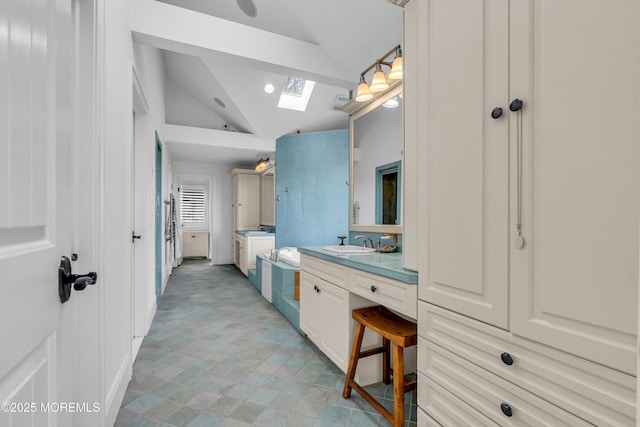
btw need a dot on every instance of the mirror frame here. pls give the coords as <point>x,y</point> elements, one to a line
<point>357,110</point>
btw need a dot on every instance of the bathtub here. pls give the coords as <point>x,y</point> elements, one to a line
<point>287,255</point>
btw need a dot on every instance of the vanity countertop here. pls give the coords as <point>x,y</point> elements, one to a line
<point>251,233</point>
<point>383,264</point>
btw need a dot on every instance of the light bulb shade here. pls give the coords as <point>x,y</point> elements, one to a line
<point>379,81</point>
<point>363,93</point>
<point>396,69</point>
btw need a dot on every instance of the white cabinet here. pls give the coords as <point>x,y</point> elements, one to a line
<point>245,200</point>
<point>325,315</point>
<point>246,249</point>
<point>267,200</point>
<point>325,319</point>
<point>329,292</point>
<point>195,243</point>
<point>529,218</point>
<point>464,204</point>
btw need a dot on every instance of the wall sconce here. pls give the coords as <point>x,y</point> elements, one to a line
<point>379,81</point>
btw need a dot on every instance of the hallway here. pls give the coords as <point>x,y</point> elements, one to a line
<point>218,354</point>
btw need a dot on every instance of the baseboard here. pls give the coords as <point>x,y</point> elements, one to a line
<point>151,313</point>
<point>115,395</point>
<point>222,261</point>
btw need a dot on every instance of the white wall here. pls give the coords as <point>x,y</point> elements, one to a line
<point>220,204</point>
<point>116,164</point>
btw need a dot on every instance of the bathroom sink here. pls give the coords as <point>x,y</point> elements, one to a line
<point>349,249</point>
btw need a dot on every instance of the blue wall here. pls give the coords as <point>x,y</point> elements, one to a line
<point>312,194</point>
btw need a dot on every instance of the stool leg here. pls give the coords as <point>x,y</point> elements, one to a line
<point>386,357</point>
<point>398,386</point>
<point>353,362</point>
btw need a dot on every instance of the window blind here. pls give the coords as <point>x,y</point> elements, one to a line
<point>192,207</point>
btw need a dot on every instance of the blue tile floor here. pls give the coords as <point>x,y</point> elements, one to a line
<point>218,354</point>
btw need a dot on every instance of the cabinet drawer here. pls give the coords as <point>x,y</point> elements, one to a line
<point>448,409</point>
<point>593,392</point>
<point>487,392</point>
<point>329,271</point>
<point>395,295</point>
<point>426,420</point>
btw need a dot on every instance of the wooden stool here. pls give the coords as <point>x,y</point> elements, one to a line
<point>401,333</point>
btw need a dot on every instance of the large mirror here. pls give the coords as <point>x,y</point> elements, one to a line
<point>376,164</point>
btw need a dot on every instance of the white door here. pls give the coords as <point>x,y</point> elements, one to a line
<point>38,213</point>
<point>464,266</point>
<point>310,306</point>
<point>574,283</point>
<point>334,306</point>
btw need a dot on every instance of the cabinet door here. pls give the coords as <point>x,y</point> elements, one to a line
<point>257,245</point>
<point>463,72</point>
<point>574,283</point>
<point>248,202</point>
<point>267,200</point>
<point>309,307</point>
<point>201,244</point>
<point>242,254</point>
<point>335,323</point>
<point>234,203</point>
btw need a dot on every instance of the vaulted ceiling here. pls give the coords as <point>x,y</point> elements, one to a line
<point>218,59</point>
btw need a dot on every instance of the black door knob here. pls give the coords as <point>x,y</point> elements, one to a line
<point>373,288</point>
<point>496,113</point>
<point>506,358</point>
<point>506,409</point>
<point>516,105</point>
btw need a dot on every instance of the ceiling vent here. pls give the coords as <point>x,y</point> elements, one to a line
<point>340,101</point>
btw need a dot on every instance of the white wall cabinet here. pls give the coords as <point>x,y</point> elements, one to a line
<point>195,243</point>
<point>245,200</point>
<point>268,200</point>
<point>561,173</point>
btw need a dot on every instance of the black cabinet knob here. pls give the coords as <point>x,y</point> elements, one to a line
<point>373,288</point>
<point>496,113</point>
<point>506,358</point>
<point>506,409</point>
<point>516,105</point>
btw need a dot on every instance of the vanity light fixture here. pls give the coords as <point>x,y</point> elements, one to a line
<point>379,81</point>
<point>261,164</point>
<point>363,94</point>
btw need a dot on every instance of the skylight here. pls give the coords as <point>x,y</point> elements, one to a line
<point>296,93</point>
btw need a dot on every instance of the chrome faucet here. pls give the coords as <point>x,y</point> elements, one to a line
<point>366,242</point>
<point>274,254</point>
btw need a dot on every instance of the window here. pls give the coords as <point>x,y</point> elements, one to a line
<point>296,93</point>
<point>192,211</point>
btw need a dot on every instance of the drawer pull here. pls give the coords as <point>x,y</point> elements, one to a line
<point>506,409</point>
<point>373,288</point>
<point>506,358</point>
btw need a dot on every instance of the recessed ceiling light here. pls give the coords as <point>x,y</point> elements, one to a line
<point>248,7</point>
<point>219,102</point>
<point>269,88</point>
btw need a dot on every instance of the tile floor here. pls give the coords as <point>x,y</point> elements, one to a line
<point>218,354</point>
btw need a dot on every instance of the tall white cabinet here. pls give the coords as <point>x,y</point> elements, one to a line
<point>245,200</point>
<point>268,199</point>
<point>529,212</point>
